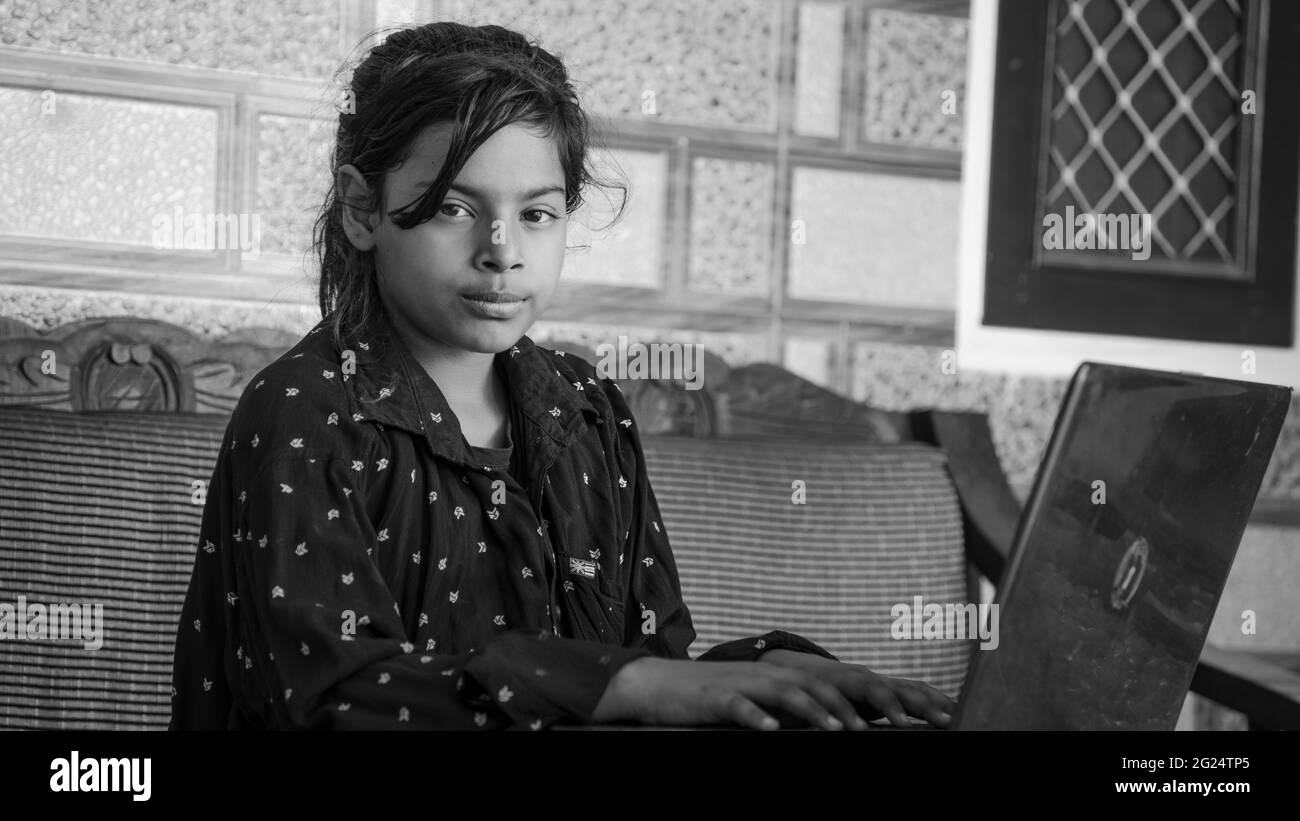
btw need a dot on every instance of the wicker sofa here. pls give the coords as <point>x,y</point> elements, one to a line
<point>109,429</point>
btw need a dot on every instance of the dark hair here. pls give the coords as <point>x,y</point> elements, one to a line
<point>479,80</point>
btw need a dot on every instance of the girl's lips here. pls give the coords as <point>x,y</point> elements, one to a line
<point>494,306</point>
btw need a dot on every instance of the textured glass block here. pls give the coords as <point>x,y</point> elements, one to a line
<point>287,38</point>
<point>101,169</point>
<point>630,251</point>
<point>912,61</point>
<point>292,179</point>
<point>874,238</point>
<point>731,227</point>
<point>818,69</point>
<point>704,63</point>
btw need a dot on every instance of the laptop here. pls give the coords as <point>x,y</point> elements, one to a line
<point>1123,550</point>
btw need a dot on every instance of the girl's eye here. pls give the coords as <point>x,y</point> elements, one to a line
<point>450,205</point>
<point>542,217</point>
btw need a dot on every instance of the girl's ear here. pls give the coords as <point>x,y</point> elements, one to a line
<point>358,224</point>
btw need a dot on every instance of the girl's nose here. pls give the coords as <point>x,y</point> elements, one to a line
<point>500,249</point>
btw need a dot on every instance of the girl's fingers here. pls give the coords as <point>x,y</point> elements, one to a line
<point>927,702</point>
<point>744,712</point>
<point>839,706</point>
<point>880,694</point>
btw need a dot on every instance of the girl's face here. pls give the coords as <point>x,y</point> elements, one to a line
<point>476,276</point>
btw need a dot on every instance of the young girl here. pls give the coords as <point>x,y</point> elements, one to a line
<point>419,518</point>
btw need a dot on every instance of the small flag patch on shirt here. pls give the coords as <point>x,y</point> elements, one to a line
<point>582,567</point>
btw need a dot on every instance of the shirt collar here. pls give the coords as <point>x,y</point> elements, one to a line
<point>389,387</point>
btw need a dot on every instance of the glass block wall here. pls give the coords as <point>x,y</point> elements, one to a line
<point>788,162</point>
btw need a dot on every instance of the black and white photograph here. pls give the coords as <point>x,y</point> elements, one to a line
<point>603,368</point>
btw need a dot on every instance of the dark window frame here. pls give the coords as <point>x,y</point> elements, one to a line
<point>1022,293</point>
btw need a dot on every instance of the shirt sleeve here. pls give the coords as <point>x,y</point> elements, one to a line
<point>322,644</point>
<point>660,620</point>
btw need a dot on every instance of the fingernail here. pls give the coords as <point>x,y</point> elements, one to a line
<point>834,723</point>
<point>770,723</point>
<point>945,716</point>
<point>860,723</point>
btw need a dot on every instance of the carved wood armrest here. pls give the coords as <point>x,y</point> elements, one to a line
<point>990,511</point>
<point>1264,685</point>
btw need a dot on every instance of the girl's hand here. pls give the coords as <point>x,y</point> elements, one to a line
<point>663,691</point>
<point>896,698</point>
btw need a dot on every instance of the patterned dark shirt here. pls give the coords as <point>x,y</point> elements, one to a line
<point>360,565</point>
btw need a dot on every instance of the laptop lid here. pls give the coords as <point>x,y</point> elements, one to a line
<point>1122,550</point>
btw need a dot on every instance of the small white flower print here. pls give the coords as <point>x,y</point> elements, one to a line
<point>627,423</point>
<point>304,649</point>
<point>585,480</point>
<point>209,547</point>
<point>358,465</point>
<point>426,659</point>
<point>482,547</point>
<point>412,475</point>
<point>243,494</point>
<point>261,542</point>
<point>277,592</point>
<point>536,724</point>
<point>436,417</point>
<point>622,482</point>
<point>403,714</point>
<point>384,678</point>
<point>424,619</point>
<point>254,440</point>
<point>301,549</point>
<point>407,647</point>
<point>442,563</point>
<point>760,644</point>
<point>365,346</point>
<point>647,561</point>
<point>577,385</point>
<point>285,488</point>
<point>480,719</point>
<point>332,419</point>
<point>207,685</point>
<point>620,558</point>
<point>383,535</point>
<point>458,512</point>
<point>656,524</point>
<point>231,598</point>
<point>259,384</point>
<point>499,621</point>
<point>332,514</point>
<point>449,672</point>
<point>381,464</point>
<point>568,586</point>
<point>197,627</point>
<point>453,596</point>
<point>296,442</point>
<point>363,620</point>
<point>248,663</point>
<point>559,353</point>
<point>327,374</point>
<point>539,672</point>
<point>433,496</point>
<point>288,693</point>
<point>347,578</point>
<point>357,417</point>
<point>504,694</point>
<point>344,706</point>
<point>590,381</point>
<point>290,391</point>
<point>415,557</point>
<point>430,645</point>
<point>555,412</point>
<point>514,352</point>
<point>527,572</point>
<point>347,492</point>
<point>384,393</point>
<point>494,514</point>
